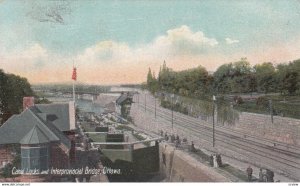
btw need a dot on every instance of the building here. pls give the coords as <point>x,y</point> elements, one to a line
<point>123,104</point>
<point>43,134</point>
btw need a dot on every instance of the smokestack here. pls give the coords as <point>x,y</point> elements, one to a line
<point>28,102</point>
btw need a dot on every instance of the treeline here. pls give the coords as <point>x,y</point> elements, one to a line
<point>236,77</point>
<point>12,90</point>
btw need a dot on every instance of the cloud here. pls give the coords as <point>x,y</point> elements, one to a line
<point>33,52</point>
<point>111,62</point>
<point>105,51</point>
<point>183,40</point>
<point>231,41</point>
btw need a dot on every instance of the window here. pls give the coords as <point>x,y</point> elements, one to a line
<point>34,158</point>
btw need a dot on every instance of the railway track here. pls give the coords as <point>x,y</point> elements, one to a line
<point>274,157</point>
<point>197,122</point>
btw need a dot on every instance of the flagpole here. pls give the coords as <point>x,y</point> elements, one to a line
<point>74,91</point>
<point>73,86</point>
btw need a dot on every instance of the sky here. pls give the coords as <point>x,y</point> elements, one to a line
<point>116,41</point>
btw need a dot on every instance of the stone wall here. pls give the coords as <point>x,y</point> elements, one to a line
<point>286,130</point>
<point>177,166</point>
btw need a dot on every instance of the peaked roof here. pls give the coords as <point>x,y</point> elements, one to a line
<point>122,98</point>
<point>36,136</point>
<point>30,128</point>
<point>57,113</point>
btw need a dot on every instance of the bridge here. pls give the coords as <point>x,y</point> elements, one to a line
<point>96,93</point>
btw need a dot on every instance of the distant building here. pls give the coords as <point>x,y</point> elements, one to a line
<point>123,104</point>
<point>44,134</point>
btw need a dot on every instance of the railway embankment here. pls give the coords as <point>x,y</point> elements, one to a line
<point>239,147</point>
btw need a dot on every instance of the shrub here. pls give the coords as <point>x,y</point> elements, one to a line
<point>262,101</point>
<point>238,100</point>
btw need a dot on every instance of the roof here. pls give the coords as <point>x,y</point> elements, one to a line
<point>122,98</point>
<point>33,127</point>
<point>57,113</point>
<point>36,136</point>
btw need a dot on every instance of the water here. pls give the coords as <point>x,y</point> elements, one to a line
<point>89,106</point>
<point>83,105</point>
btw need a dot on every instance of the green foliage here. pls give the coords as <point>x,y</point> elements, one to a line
<point>236,77</point>
<point>288,78</point>
<point>265,75</point>
<point>196,87</point>
<point>286,107</point>
<point>152,83</point>
<point>238,100</point>
<point>176,107</point>
<point>202,108</point>
<point>124,127</point>
<point>140,138</point>
<point>226,112</point>
<point>42,101</point>
<point>12,90</point>
<point>194,82</point>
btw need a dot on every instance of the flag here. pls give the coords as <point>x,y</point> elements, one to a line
<point>74,75</point>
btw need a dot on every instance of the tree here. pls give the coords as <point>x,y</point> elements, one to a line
<point>222,78</point>
<point>288,77</point>
<point>12,90</point>
<point>152,83</point>
<point>149,77</point>
<point>4,93</point>
<point>234,77</point>
<point>265,77</point>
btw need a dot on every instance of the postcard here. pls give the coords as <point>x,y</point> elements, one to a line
<point>149,91</point>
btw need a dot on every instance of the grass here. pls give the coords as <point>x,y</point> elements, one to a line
<point>141,138</point>
<point>98,137</point>
<point>124,127</point>
<point>288,106</point>
<point>87,127</point>
<point>285,106</point>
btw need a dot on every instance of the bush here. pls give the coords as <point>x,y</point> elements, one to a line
<point>238,100</point>
<point>262,101</point>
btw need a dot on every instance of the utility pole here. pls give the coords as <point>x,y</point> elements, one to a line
<point>271,109</point>
<point>155,104</point>
<point>172,101</point>
<point>145,102</point>
<point>214,99</point>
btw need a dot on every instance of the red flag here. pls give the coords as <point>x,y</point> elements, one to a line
<point>74,75</point>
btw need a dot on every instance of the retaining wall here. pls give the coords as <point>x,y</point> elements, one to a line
<point>286,130</point>
<point>178,166</point>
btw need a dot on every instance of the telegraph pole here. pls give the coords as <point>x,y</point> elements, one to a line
<point>155,105</point>
<point>214,99</point>
<point>172,109</point>
<point>145,102</point>
<point>271,109</point>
